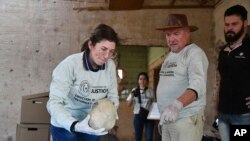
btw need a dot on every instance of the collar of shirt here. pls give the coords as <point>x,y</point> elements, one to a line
<point>229,49</point>
<point>86,62</point>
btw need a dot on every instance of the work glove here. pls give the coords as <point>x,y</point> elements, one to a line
<point>160,129</point>
<point>116,107</point>
<point>83,127</point>
<point>117,117</point>
<point>170,113</point>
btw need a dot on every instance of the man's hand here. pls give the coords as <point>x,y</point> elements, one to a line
<point>248,102</point>
<point>83,127</point>
<point>160,129</point>
<point>170,113</point>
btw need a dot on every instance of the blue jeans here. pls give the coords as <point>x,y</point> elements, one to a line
<point>225,120</point>
<point>139,124</point>
<point>61,134</point>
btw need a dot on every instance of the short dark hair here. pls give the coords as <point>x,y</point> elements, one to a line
<point>104,32</point>
<point>237,10</point>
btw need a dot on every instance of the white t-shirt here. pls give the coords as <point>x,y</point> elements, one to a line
<point>146,100</point>
<point>180,71</point>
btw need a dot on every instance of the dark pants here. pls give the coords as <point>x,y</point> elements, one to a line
<point>61,134</point>
<point>139,124</point>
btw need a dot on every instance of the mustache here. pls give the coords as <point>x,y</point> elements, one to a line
<point>230,32</point>
<point>173,43</point>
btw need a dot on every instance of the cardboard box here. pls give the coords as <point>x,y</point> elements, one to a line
<point>32,132</point>
<point>33,108</point>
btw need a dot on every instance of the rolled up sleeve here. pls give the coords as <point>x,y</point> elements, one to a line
<point>197,73</point>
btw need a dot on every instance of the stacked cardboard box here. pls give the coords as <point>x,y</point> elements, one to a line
<point>32,132</point>
<point>35,119</point>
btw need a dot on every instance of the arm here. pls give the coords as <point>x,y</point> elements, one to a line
<point>130,102</point>
<point>113,89</point>
<point>187,97</point>
<point>216,96</point>
<point>130,98</point>
<point>59,89</point>
<point>197,76</point>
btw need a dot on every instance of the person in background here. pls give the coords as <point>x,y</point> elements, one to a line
<point>234,69</point>
<point>181,91</point>
<point>80,80</point>
<point>142,96</point>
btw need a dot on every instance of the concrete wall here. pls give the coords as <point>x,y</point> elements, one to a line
<point>35,35</point>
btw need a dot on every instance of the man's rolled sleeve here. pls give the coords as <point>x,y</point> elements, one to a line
<point>198,73</point>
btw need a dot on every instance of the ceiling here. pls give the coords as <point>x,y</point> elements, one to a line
<point>143,4</point>
<point>160,4</point>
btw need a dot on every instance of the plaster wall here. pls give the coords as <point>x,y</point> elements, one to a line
<point>35,35</point>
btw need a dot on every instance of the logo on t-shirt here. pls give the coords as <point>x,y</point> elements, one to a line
<point>241,55</point>
<point>84,88</point>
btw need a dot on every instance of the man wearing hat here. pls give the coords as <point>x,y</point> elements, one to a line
<point>181,91</point>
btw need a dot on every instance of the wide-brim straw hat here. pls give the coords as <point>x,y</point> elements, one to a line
<point>177,21</point>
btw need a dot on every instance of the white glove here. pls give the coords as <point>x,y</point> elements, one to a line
<point>170,113</point>
<point>160,129</point>
<point>117,117</point>
<point>83,127</point>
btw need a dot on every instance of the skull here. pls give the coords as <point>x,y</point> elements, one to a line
<point>103,115</point>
